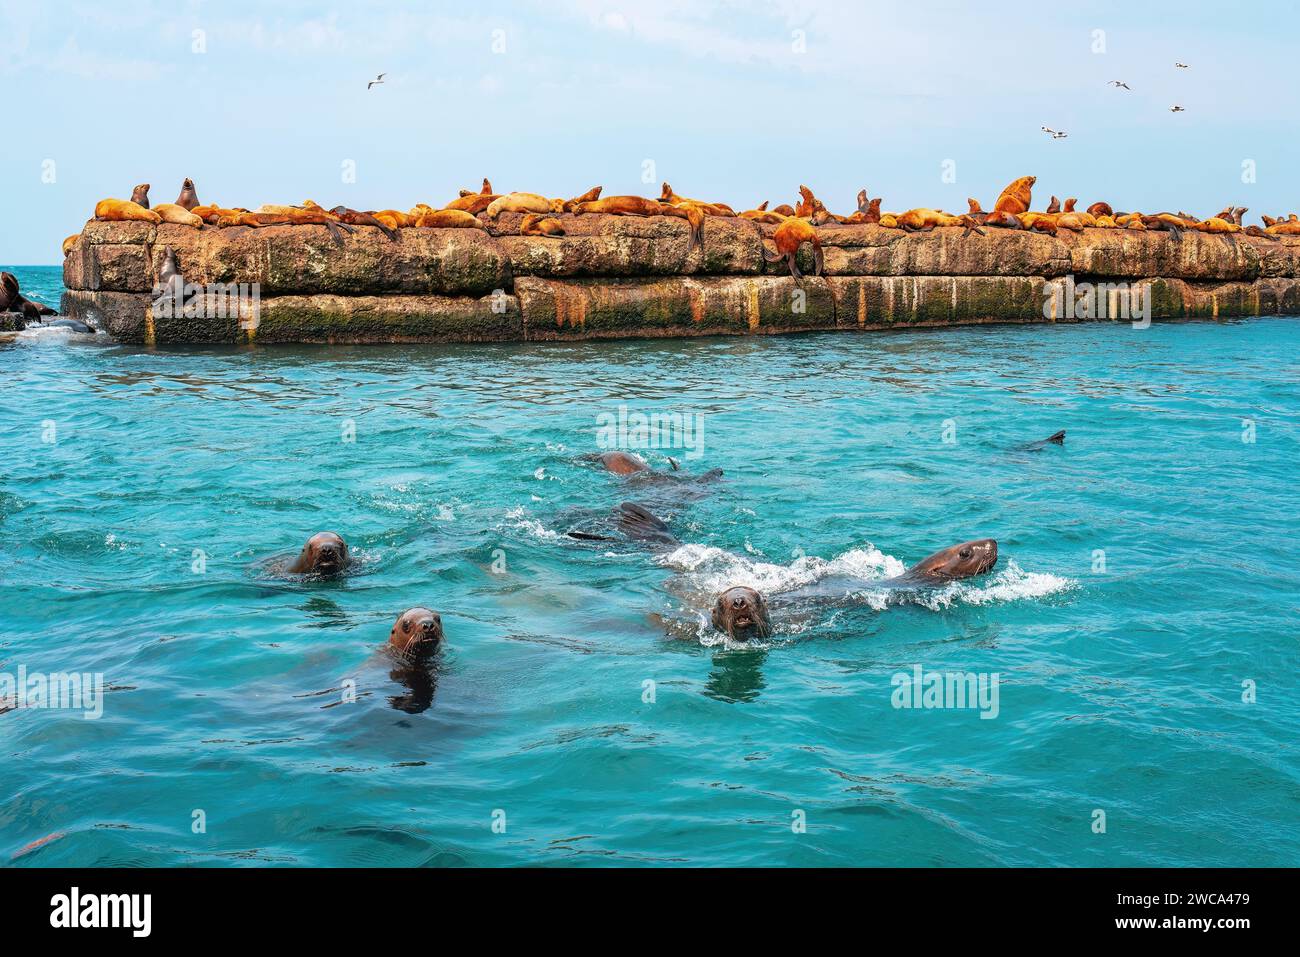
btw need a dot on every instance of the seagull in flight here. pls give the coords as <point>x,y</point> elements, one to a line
<point>378,79</point>
<point>1176,109</point>
<point>1121,83</point>
<point>1060,135</point>
<point>1048,129</point>
<point>1181,66</point>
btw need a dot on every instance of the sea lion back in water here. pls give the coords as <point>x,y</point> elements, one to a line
<point>1056,438</point>
<point>324,554</point>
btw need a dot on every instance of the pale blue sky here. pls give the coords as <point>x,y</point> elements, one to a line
<point>717,94</point>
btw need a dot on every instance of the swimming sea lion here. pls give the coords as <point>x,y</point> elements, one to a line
<point>140,195</point>
<point>416,634</point>
<point>188,198</point>
<point>1056,438</point>
<point>741,613</point>
<point>950,564</point>
<point>622,463</point>
<point>123,210</point>
<point>1017,196</point>
<point>788,237</point>
<point>324,554</point>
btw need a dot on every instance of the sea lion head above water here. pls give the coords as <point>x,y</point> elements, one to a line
<point>416,634</point>
<point>741,613</point>
<point>324,554</point>
<point>956,562</point>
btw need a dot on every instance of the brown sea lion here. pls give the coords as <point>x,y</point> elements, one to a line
<point>10,297</point>
<point>535,224</point>
<point>70,242</point>
<point>568,205</point>
<point>140,195</point>
<point>951,564</point>
<point>666,195</point>
<point>1053,207</point>
<point>188,198</point>
<point>788,237</point>
<point>448,219</point>
<point>622,463</point>
<point>473,203</point>
<point>416,634</point>
<point>924,220</point>
<point>741,613</point>
<point>355,217</point>
<point>171,213</point>
<point>640,206</point>
<point>1101,209</point>
<point>1017,196</point>
<point>785,209</point>
<point>763,216</point>
<point>324,554</point>
<point>123,210</point>
<point>1002,220</point>
<point>518,203</point>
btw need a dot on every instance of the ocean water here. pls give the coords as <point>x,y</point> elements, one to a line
<point>1141,622</point>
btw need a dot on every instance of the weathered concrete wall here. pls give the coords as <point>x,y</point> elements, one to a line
<point>616,276</point>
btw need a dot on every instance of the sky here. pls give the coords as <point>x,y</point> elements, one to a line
<point>923,103</point>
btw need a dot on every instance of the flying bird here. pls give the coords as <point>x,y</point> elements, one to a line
<point>1120,83</point>
<point>1176,109</point>
<point>1181,66</point>
<point>1048,130</point>
<point>378,79</point>
<point>1060,136</point>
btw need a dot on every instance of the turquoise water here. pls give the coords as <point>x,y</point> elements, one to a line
<point>1147,570</point>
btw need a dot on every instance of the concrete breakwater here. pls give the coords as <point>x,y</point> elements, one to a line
<point>621,276</point>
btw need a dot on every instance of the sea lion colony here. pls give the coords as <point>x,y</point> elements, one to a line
<point>795,225</point>
<point>739,611</point>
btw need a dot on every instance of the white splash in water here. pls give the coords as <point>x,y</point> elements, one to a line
<point>518,518</point>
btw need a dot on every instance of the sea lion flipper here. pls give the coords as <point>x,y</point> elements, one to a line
<point>636,522</point>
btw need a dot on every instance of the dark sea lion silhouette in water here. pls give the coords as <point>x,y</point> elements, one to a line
<point>1056,438</point>
<point>742,612</point>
